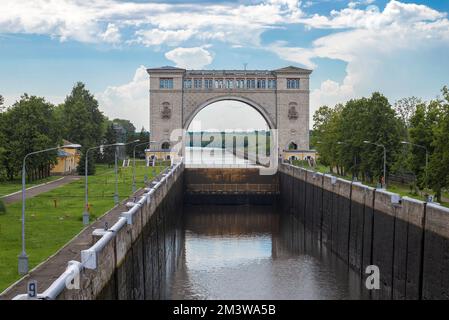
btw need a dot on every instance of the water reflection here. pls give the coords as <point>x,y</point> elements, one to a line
<point>252,252</point>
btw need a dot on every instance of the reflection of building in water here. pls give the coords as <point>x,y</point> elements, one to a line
<point>231,220</point>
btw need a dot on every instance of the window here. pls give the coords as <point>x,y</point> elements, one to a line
<point>197,83</point>
<point>165,146</point>
<point>166,83</point>
<point>292,83</point>
<point>218,83</point>
<point>208,83</point>
<point>260,83</point>
<point>250,83</point>
<point>271,84</point>
<point>188,83</point>
<point>229,83</point>
<point>240,83</point>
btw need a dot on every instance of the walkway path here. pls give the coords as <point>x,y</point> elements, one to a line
<point>49,270</point>
<point>42,188</point>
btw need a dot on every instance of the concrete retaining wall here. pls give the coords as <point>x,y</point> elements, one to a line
<point>406,238</point>
<point>134,258</point>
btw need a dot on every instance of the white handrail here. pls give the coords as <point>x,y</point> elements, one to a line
<point>89,256</point>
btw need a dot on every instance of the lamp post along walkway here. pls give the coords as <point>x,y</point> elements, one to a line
<point>86,214</point>
<point>23,265</point>
<point>134,189</point>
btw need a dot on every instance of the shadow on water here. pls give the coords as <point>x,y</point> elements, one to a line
<point>255,252</point>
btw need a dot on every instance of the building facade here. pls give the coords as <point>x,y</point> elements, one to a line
<point>281,96</point>
<point>68,160</point>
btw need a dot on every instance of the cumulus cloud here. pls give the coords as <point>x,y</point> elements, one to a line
<point>128,101</point>
<point>377,46</point>
<point>112,34</point>
<point>150,24</point>
<point>190,58</point>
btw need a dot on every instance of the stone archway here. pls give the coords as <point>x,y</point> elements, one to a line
<point>281,96</point>
<point>189,118</point>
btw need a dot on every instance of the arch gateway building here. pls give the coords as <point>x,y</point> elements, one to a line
<point>281,96</point>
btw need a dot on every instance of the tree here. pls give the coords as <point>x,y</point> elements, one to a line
<point>30,125</point>
<point>90,164</point>
<point>381,126</point>
<point>326,134</point>
<point>439,163</point>
<point>339,135</point>
<point>2,101</point>
<point>80,117</point>
<point>2,142</point>
<point>143,136</point>
<point>110,137</point>
<point>421,132</point>
<point>405,109</point>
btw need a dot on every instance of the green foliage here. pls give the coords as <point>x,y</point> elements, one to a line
<point>425,125</point>
<point>80,118</point>
<point>27,126</point>
<point>339,135</point>
<point>110,137</point>
<point>438,174</point>
<point>90,164</point>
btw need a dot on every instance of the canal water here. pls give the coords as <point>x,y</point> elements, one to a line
<point>255,252</point>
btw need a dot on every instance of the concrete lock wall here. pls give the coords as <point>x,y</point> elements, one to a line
<point>406,238</point>
<point>142,255</point>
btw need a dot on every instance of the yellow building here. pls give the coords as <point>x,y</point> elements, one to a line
<point>68,159</point>
<point>159,155</point>
<point>290,155</point>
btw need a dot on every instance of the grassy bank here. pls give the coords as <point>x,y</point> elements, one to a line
<point>55,217</point>
<point>402,190</point>
<point>8,187</point>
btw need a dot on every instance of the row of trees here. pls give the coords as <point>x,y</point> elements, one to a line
<point>32,123</point>
<point>340,136</point>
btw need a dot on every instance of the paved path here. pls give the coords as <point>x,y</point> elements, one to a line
<point>49,270</point>
<point>36,190</point>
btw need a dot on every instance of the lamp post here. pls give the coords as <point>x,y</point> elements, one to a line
<point>23,257</point>
<point>86,193</point>
<point>134,164</point>
<point>116,196</point>
<point>427,153</point>
<point>385,160</point>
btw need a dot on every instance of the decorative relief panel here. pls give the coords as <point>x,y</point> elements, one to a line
<point>166,111</point>
<point>292,111</point>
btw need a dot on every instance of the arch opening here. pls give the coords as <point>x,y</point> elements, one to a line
<point>228,131</point>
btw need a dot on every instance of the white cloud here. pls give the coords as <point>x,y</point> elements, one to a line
<point>378,47</point>
<point>150,24</point>
<point>190,58</point>
<point>112,34</point>
<point>156,37</point>
<point>128,101</point>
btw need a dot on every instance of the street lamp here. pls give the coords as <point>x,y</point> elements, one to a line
<point>385,159</point>
<point>134,164</point>
<point>23,257</point>
<point>423,147</point>
<point>86,193</point>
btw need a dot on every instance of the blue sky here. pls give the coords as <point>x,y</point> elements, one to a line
<point>400,48</point>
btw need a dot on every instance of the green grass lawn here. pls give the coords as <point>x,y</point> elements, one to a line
<point>8,187</point>
<point>55,217</point>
